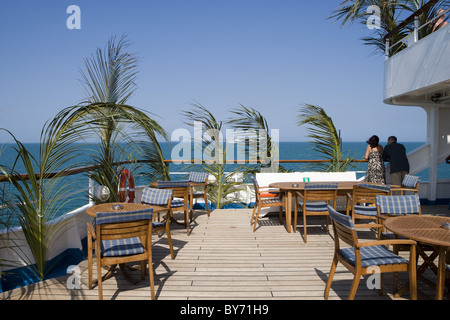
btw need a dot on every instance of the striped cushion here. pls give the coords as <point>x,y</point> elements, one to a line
<point>158,224</point>
<point>198,177</point>
<point>340,218</point>
<point>116,217</point>
<point>380,187</point>
<point>176,203</point>
<point>410,181</point>
<point>365,210</point>
<point>315,206</point>
<point>157,197</point>
<point>407,204</point>
<point>372,256</point>
<point>321,185</point>
<point>173,184</point>
<point>271,200</point>
<point>121,247</point>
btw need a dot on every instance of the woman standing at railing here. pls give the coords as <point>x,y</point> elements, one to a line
<point>375,165</point>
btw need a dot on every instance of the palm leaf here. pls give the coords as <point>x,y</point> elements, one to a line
<point>325,137</point>
<point>218,192</point>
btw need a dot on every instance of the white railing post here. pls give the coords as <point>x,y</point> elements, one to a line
<point>386,49</point>
<point>91,190</point>
<point>416,29</point>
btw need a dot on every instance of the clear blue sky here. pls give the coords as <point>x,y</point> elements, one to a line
<point>272,55</point>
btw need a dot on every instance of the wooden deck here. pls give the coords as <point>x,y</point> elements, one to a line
<point>224,259</point>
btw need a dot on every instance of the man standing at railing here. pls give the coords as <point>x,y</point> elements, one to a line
<point>395,153</point>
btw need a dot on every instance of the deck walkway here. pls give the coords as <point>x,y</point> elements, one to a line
<point>224,259</point>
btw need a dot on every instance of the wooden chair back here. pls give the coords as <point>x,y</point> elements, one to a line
<point>364,193</point>
<point>410,185</point>
<point>320,191</point>
<point>198,180</point>
<point>343,228</point>
<point>398,205</point>
<point>124,225</point>
<point>363,200</point>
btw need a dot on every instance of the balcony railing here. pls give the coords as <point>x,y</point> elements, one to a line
<point>414,36</point>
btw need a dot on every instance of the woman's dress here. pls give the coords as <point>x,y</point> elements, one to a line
<point>375,168</point>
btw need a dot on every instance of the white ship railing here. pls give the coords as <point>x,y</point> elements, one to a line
<point>413,37</point>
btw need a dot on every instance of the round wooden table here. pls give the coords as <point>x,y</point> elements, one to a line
<point>108,207</point>
<point>291,187</point>
<point>426,229</point>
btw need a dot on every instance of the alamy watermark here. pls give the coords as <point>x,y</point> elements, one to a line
<point>74,280</point>
<point>74,20</point>
<point>238,145</point>
<point>374,20</point>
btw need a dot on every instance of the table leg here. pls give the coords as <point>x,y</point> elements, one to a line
<point>441,274</point>
<point>288,211</point>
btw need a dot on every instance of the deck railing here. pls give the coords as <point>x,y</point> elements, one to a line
<point>4,178</point>
<point>413,37</point>
<point>90,188</point>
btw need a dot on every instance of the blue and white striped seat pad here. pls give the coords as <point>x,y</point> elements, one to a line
<point>157,197</point>
<point>372,256</point>
<point>390,235</point>
<point>321,185</point>
<point>410,181</point>
<point>158,224</point>
<point>173,184</point>
<point>176,203</point>
<point>117,217</point>
<point>365,210</point>
<point>380,187</point>
<point>315,206</point>
<point>122,247</point>
<point>271,200</point>
<point>198,177</point>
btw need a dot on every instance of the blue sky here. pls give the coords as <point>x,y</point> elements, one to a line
<point>266,54</point>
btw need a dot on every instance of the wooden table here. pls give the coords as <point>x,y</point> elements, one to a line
<point>108,207</point>
<point>425,229</point>
<point>290,189</point>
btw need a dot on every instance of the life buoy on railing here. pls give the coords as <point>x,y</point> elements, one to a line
<point>124,177</point>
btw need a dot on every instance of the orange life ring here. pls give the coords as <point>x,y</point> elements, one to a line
<point>124,177</point>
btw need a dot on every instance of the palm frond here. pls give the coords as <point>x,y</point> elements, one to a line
<point>111,74</point>
<point>325,137</point>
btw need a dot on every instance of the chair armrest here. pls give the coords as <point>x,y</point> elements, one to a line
<point>386,242</point>
<point>403,188</point>
<point>91,231</point>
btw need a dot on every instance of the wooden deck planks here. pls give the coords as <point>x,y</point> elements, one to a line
<point>224,259</point>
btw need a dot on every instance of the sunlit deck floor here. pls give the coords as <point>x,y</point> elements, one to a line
<point>224,259</point>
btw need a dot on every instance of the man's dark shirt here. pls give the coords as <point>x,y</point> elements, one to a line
<point>395,153</point>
